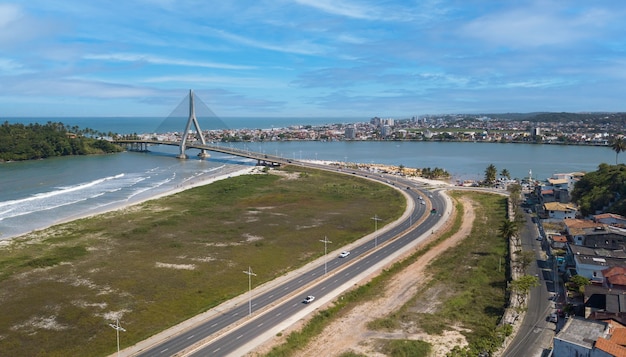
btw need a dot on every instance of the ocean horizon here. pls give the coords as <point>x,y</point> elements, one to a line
<point>140,125</point>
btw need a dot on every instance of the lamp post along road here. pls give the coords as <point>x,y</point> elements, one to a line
<point>118,328</point>
<point>325,241</point>
<point>249,273</point>
<point>376,219</point>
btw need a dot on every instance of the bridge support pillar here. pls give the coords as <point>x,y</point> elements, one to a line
<point>192,119</point>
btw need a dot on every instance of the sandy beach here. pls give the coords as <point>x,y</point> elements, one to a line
<point>196,182</point>
<point>200,181</point>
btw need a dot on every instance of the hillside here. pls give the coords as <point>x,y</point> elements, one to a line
<point>36,141</point>
<point>603,190</point>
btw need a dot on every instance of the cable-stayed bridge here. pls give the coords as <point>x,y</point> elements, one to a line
<point>195,140</point>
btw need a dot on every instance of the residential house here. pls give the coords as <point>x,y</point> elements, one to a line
<point>603,303</point>
<point>615,277</point>
<point>558,241</point>
<point>591,262</point>
<point>611,219</point>
<point>578,337</point>
<point>559,211</point>
<point>577,229</point>
<point>612,345</point>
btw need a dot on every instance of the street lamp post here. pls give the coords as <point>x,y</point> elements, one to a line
<point>325,241</point>
<point>249,273</point>
<point>376,219</point>
<point>118,328</point>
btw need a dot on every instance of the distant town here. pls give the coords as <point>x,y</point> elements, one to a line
<point>545,128</point>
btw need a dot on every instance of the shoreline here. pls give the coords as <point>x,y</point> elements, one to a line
<point>381,168</point>
<point>201,181</point>
<point>112,207</point>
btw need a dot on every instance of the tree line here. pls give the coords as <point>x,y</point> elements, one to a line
<point>39,141</point>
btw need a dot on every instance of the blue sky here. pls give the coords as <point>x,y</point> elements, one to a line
<point>334,58</point>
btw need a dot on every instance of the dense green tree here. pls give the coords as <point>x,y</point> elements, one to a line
<point>522,287</point>
<point>579,282</point>
<point>37,141</point>
<point>603,190</point>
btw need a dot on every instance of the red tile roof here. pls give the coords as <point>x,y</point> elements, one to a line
<point>610,347</point>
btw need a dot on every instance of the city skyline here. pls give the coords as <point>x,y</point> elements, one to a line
<point>310,57</point>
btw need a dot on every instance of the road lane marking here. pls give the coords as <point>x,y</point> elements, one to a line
<point>190,337</point>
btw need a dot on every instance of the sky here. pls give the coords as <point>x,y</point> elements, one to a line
<point>311,58</point>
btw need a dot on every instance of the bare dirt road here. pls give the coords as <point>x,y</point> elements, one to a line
<point>350,333</point>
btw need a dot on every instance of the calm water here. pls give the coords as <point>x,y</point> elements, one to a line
<point>37,194</point>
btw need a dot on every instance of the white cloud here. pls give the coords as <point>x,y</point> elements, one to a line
<point>9,14</point>
<point>303,47</point>
<point>133,57</point>
<point>10,67</point>
<point>17,27</point>
<point>536,26</point>
<point>342,8</point>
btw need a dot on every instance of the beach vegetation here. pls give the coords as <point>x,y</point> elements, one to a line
<point>158,263</point>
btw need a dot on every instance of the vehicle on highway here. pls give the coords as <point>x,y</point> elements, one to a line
<point>344,254</point>
<point>309,299</point>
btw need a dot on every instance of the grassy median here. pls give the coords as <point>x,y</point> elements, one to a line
<point>163,261</point>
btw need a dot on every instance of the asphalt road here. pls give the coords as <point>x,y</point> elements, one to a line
<point>535,333</point>
<point>233,332</point>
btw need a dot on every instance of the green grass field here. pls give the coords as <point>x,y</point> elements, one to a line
<point>163,261</point>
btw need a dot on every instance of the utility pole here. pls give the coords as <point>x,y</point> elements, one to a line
<point>117,329</point>
<point>325,241</point>
<point>376,219</point>
<point>249,273</point>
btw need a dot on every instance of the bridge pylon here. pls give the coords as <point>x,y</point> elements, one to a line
<point>194,120</point>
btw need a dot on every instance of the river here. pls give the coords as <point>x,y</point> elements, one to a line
<point>37,194</point>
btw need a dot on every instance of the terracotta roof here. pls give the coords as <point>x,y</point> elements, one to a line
<point>609,215</point>
<point>581,223</point>
<point>610,347</point>
<point>559,239</point>
<point>547,192</point>
<point>614,271</point>
<point>558,206</point>
<point>619,336</point>
<point>615,275</point>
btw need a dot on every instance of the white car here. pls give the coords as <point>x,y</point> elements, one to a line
<point>309,299</point>
<point>344,254</point>
<point>554,317</point>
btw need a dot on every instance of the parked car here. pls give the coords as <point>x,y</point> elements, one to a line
<point>554,317</point>
<point>309,299</point>
<point>344,254</point>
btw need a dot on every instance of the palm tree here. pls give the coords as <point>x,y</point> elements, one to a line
<point>618,145</point>
<point>505,173</point>
<point>490,174</point>
<point>508,229</point>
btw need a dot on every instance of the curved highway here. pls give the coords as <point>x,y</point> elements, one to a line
<point>235,332</point>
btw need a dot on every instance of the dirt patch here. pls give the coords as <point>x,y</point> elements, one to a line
<point>350,332</point>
